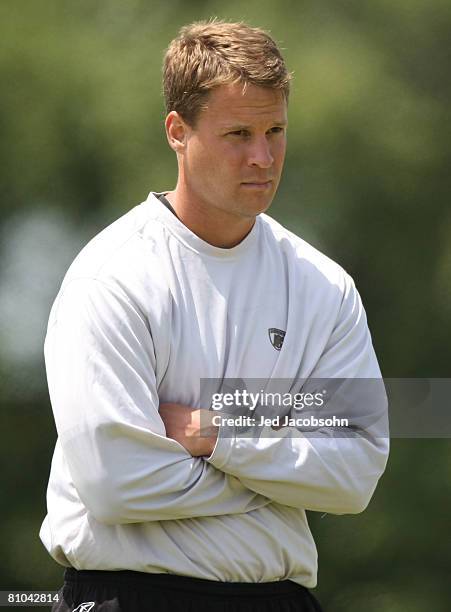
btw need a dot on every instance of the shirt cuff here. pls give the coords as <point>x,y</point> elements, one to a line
<point>223,447</point>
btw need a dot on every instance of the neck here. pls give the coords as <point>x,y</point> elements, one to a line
<point>218,227</point>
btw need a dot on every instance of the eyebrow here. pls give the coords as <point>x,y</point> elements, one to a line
<point>240,126</point>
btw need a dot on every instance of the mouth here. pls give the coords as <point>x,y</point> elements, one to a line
<point>260,185</point>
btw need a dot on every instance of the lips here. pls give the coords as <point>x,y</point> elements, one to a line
<point>257,184</point>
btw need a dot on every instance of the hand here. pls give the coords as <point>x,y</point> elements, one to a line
<point>190,427</point>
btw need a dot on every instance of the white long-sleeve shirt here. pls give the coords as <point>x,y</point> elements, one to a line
<point>145,312</point>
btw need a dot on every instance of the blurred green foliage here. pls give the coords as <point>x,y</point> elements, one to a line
<point>367,180</point>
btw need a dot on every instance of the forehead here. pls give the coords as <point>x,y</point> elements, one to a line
<point>233,104</point>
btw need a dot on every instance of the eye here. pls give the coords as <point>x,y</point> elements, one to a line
<point>277,130</point>
<point>243,133</point>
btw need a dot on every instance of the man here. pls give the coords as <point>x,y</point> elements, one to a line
<point>153,504</point>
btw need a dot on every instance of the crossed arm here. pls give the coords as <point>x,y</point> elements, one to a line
<point>133,460</point>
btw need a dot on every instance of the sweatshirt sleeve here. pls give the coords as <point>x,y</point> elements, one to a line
<point>100,364</point>
<point>323,470</point>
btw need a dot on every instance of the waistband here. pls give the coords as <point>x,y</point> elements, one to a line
<point>182,583</point>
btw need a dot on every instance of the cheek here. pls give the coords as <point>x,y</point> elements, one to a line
<point>225,162</point>
<point>279,152</point>
<point>217,165</point>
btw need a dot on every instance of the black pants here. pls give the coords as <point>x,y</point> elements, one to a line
<point>126,591</point>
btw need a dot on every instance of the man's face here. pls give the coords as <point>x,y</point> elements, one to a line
<point>233,156</point>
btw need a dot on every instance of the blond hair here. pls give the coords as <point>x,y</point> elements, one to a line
<point>207,54</point>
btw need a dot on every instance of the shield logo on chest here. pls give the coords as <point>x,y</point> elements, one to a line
<point>276,337</point>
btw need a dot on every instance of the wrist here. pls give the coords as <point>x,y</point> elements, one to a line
<point>208,433</point>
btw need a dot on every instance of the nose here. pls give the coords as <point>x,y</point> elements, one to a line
<point>259,153</point>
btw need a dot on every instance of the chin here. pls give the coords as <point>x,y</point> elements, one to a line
<point>253,211</point>
<point>258,204</point>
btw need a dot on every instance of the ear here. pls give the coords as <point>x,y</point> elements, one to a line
<point>176,131</point>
